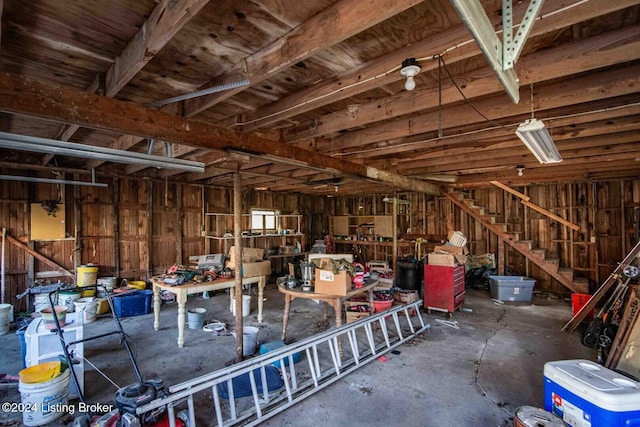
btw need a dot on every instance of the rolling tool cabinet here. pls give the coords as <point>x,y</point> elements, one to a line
<point>443,288</point>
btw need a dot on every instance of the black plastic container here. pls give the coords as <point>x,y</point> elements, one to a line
<point>409,275</point>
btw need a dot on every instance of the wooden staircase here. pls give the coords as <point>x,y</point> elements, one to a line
<point>538,256</point>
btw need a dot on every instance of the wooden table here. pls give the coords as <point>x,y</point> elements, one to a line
<point>189,288</point>
<point>333,300</point>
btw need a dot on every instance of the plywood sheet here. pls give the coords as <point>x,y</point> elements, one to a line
<point>45,226</point>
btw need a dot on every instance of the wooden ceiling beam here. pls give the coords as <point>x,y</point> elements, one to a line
<point>597,52</point>
<point>596,86</point>
<point>376,73</point>
<point>22,95</point>
<point>166,19</point>
<point>565,131</point>
<point>338,22</point>
<point>514,155</point>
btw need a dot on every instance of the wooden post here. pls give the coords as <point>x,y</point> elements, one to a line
<point>179,223</point>
<point>77,213</point>
<point>116,226</point>
<point>149,228</point>
<point>394,227</point>
<point>237,232</point>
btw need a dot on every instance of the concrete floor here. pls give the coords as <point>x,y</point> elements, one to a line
<point>477,375</point>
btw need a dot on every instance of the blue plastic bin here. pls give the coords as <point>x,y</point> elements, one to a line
<point>274,345</point>
<point>133,303</point>
<point>23,345</point>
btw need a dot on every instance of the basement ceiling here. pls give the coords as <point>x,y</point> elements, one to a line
<point>325,110</point>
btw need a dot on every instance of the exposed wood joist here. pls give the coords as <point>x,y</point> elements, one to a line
<point>26,96</point>
<point>339,22</point>
<point>598,52</point>
<point>561,94</point>
<point>168,17</point>
<point>375,73</point>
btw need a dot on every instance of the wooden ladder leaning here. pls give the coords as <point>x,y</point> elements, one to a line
<point>613,278</point>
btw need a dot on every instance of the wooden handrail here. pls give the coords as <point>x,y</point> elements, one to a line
<point>526,200</point>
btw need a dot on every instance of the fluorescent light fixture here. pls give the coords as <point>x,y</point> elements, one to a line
<point>64,148</point>
<point>536,137</point>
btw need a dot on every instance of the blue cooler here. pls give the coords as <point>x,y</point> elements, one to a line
<point>586,394</point>
<point>274,345</point>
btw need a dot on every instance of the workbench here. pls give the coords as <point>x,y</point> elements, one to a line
<point>334,301</point>
<point>190,288</point>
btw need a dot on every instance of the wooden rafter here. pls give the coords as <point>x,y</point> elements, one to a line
<point>608,49</point>
<point>373,73</point>
<point>34,98</point>
<point>329,27</point>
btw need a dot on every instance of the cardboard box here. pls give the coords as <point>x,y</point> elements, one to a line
<point>248,255</point>
<point>352,316</point>
<point>441,259</point>
<point>455,250</point>
<point>327,282</point>
<point>406,296</point>
<point>449,260</point>
<point>252,269</point>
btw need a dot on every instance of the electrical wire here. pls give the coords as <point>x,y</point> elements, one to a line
<point>498,127</point>
<point>425,58</point>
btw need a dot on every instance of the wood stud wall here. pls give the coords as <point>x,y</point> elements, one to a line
<point>138,227</point>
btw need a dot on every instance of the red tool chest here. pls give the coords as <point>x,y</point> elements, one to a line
<point>443,288</point>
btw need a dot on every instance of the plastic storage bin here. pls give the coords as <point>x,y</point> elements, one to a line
<point>511,288</point>
<point>274,345</point>
<point>584,393</point>
<point>133,303</point>
<point>43,345</point>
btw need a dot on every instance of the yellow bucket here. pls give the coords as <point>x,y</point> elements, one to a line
<point>87,275</point>
<point>137,284</point>
<point>40,373</point>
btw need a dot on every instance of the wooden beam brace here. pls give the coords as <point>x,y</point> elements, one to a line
<point>338,22</point>
<point>511,190</point>
<point>22,95</point>
<point>60,269</point>
<point>550,215</point>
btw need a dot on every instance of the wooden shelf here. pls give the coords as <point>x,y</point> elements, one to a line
<point>257,236</point>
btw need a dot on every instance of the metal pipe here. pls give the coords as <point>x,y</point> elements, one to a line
<point>52,146</point>
<point>50,180</point>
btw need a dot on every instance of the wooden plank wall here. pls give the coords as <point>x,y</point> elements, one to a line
<point>138,227</point>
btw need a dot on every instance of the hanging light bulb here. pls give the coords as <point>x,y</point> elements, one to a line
<point>410,68</point>
<point>520,170</point>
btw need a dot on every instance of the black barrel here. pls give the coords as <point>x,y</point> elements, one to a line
<point>409,275</point>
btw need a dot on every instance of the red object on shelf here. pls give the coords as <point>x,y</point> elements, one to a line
<point>443,288</point>
<point>382,305</point>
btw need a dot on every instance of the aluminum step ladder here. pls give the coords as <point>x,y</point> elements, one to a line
<point>328,360</point>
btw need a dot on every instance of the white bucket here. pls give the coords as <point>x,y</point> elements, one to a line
<point>41,301</point>
<point>67,299</point>
<point>246,305</point>
<point>88,307</point>
<point>108,282</point>
<point>195,317</point>
<point>249,340</point>
<point>5,318</point>
<point>45,400</point>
